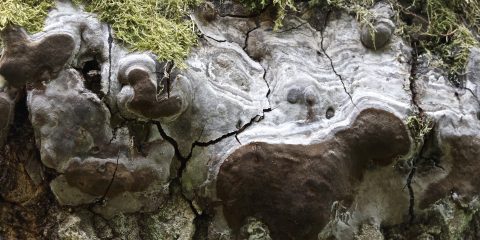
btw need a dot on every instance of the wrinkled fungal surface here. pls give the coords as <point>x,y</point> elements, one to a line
<point>328,127</point>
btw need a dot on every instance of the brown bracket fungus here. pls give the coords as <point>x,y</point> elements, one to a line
<point>34,61</point>
<point>95,178</point>
<point>291,187</point>
<point>462,155</point>
<point>149,93</point>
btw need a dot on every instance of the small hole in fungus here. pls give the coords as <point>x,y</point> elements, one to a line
<point>330,113</point>
<point>93,78</point>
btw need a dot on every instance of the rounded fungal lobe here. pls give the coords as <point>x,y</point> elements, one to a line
<point>378,33</point>
<point>152,95</point>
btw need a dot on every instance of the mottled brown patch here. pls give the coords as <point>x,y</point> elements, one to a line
<point>94,178</point>
<point>463,178</point>
<point>146,101</point>
<point>292,187</point>
<point>33,61</point>
<point>24,204</point>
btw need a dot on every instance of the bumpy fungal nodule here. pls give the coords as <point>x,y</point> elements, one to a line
<point>377,33</point>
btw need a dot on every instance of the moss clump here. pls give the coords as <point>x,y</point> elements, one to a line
<point>443,28</point>
<point>449,34</point>
<point>281,6</point>
<point>419,128</point>
<point>357,7</point>
<point>29,14</point>
<point>149,25</point>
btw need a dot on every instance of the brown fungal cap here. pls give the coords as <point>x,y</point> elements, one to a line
<point>96,178</point>
<point>33,61</point>
<point>146,102</point>
<point>463,178</point>
<point>291,187</point>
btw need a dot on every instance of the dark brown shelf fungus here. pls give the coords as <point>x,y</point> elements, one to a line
<point>292,187</point>
<point>33,61</point>
<point>146,101</point>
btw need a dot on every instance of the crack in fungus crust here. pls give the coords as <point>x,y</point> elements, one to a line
<point>291,187</point>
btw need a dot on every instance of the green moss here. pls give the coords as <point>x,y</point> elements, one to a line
<point>448,34</point>
<point>145,25</point>
<point>149,25</point>
<point>281,6</point>
<point>419,128</point>
<point>443,28</point>
<point>357,7</point>
<point>29,14</point>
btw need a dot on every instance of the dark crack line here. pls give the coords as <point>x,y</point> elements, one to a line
<point>293,28</point>
<point>110,44</point>
<point>420,113</point>
<point>413,78</point>
<point>254,15</point>
<point>268,85</point>
<point>185,159</point>
<point>411,206</point>
<point>214,39</point>
<point>247,36</point>
<point>255,119</point>
<point>102,199</point>
<point>330,59</point>
<point>473,94</point>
